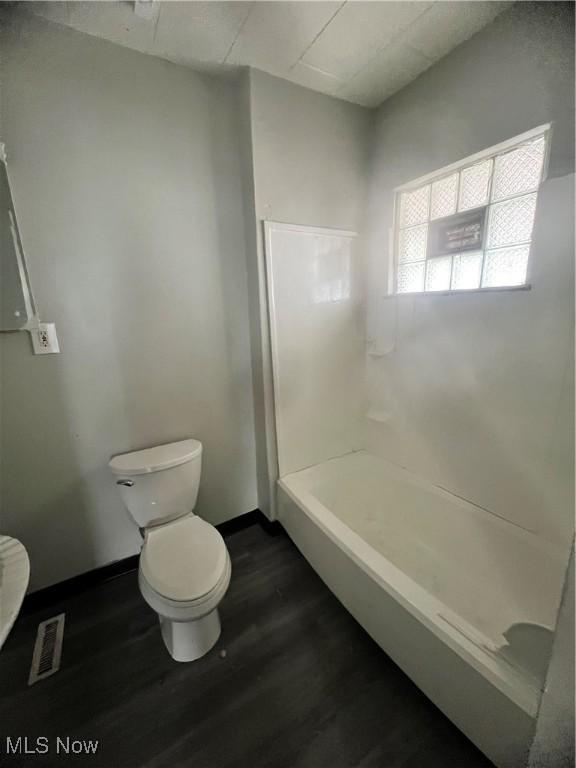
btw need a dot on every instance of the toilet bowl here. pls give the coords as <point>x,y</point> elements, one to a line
<point>184,568</point>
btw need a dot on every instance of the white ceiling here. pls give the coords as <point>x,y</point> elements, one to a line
<point>358,51</point>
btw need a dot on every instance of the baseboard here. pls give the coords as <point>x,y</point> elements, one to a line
<point>255,517</point>
<point>76,584</point>
<point>83,581</point>
<point>228,527</point>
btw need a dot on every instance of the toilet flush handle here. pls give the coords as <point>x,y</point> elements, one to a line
<point>127,483</point>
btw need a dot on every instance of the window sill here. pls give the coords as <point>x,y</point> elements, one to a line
<point>460,292</point>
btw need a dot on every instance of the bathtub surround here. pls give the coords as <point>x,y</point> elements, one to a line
<point>470,388</point>
<point>127,182</point>
<point>316,311</point>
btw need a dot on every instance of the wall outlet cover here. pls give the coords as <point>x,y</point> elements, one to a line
<point>44,339</point>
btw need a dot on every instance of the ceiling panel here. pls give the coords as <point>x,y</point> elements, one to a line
<point>276,34</point>
<point>358,32</point>
<point>309,77</point>
<point>447,24</point>
<point>116,22</point>
<point>361,51</point>
<point>391,69</point>
<point>198,31</point>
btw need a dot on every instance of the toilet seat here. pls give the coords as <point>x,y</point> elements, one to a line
<point>184,567</point>
<point>182,610</point>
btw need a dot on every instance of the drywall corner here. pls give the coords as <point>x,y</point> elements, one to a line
<point>266,458</point>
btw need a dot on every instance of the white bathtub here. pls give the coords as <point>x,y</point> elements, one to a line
<point>436,581</point>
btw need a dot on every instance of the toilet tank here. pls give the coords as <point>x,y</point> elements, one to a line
<point>161,483</point>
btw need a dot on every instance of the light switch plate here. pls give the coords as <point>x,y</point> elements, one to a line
<point>44,339</point>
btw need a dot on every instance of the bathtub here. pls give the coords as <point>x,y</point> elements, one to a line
<point>463,601</point>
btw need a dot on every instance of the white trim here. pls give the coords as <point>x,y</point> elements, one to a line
<point>269,228</point>
<point>484,154</point>
<point>460,291</point>
<point>286,227</point>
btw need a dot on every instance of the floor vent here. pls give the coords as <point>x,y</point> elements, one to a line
<point>47,649</point>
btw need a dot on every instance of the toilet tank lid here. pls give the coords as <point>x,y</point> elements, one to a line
<point>155,459</point>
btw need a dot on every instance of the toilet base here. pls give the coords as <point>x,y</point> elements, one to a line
<point>190,640</point>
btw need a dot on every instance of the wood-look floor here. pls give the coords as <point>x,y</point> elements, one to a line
<point>300,684</point>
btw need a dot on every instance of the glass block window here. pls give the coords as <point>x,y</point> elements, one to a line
<point>503,182</point>
<point>474,185</point>
<point>413,241</point>
<point>444,196</point>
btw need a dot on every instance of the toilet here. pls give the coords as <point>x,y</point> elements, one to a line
<point>184,569</point>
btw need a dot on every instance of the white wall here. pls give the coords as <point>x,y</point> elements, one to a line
<point>127,185</point>
<point>476,390</point>
<point>309,157</point>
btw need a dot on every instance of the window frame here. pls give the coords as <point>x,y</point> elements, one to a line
<point>492,152</point>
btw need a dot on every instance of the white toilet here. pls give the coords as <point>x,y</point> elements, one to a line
<point>184,564</point>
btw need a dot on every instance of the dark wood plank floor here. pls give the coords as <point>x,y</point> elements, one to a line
<point>300,685</point>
